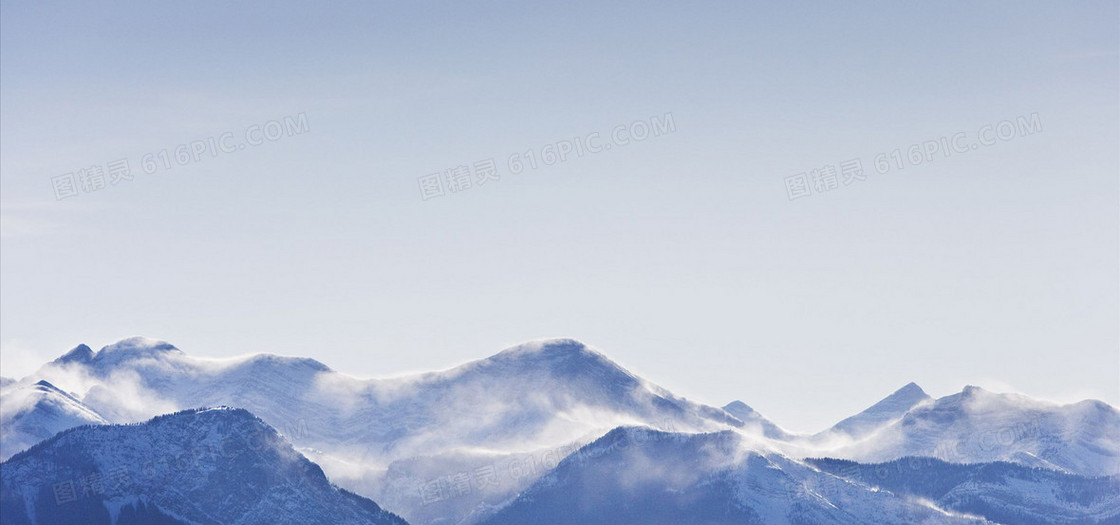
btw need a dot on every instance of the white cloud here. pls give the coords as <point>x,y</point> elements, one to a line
<point>18,360</point>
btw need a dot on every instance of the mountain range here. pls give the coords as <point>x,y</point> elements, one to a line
<point>529,430</point>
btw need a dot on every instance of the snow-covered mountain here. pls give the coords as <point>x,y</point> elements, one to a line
<point>638,476</point>
<point>641,476</point>
<point>976,426</point>
<point>1001,492</point>
<point>455,445</point>
<point>388,438</point>
<point>211,466</point>
<point>33,412</point>
<point>880,414</point>
<point>753,420</point>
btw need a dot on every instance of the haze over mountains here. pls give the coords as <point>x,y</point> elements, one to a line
<point>700,478</point>
<point>497,438</point>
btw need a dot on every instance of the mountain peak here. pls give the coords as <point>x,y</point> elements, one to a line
<point>909,395</point>
<point>972,394</point>
<point>911,388</point>
<point>139,343</point>
<point>221,412</point>
<point>78,354</point>
<point>549,347</point>
<point>972,391</point>
<point>46,387</point>
<point>273,360</point>
<point>549,351</point>
<point>254,476</point>
<point>750,416</point>
<point>561,357</point>
<point>888,409</point>
<point>738,406</point>
<point>135,348</point>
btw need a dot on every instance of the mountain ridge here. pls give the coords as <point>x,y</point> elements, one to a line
<point>889,408</point>
<point>388,438</point>
<point>213,465</point>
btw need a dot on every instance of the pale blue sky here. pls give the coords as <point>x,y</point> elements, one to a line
<point>680,257</point>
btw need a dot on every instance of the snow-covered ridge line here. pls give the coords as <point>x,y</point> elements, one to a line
<point>62,435</point>
<point>209,465</point>
<point>394,439</point>
<point>140,347</point>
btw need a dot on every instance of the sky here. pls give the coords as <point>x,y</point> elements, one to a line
<point>760,206</point>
